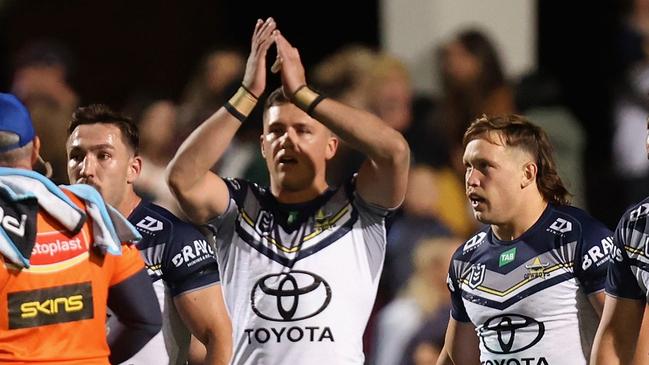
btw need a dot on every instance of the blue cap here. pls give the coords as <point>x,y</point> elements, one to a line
<point>14,118</point>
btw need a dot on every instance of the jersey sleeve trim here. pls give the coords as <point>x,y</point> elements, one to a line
<point>203,278</point>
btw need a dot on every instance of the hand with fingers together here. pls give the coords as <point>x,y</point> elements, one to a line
<point>254,79</point>
<point>291,68</point>
<point>293,75</point>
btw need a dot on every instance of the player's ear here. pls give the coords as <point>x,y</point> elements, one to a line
<point>261,145</point>
<point>530,170</point>
<point>36,150</point>
<point>332,146</point>
<point>134,169</point>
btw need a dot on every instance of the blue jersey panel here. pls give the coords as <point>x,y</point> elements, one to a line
<point>628,272</point>
<point>174,251</point>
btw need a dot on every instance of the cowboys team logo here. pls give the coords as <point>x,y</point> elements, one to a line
<point>323,220</point>
<point>477,275</point>
<point>536,269</point>
<point>510,333</point>
<point>290,296</point>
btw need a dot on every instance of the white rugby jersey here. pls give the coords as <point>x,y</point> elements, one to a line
<point>629,269</point>
<point>299,279</point>
<point>527,298</point>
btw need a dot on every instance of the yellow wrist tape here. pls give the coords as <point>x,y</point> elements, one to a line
<point>307,99</point>
<point>241,104</point>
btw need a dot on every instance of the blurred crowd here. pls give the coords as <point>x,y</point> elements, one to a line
<point>411,311</point>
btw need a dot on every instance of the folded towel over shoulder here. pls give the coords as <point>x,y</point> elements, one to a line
<point>20,189</point>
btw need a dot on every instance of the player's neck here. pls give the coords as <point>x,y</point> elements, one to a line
<point>128,204</point>
<point>523,219</point>
<point>287,196</point>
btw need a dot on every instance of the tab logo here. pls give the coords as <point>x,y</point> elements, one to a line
<point>560,226</point>
<point>507,257</point>
<point>150,224</point>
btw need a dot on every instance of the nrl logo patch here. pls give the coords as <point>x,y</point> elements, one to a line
<point>477,275</point>
<point>265,222</point>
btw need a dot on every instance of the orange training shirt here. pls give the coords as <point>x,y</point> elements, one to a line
<point>55,311</point>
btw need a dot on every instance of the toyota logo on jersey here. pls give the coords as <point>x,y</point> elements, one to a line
<point>511,333</point>
<point>290,296</point>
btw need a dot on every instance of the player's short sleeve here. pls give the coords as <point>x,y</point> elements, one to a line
<point>373,223</point>
<point>238,189</point>
<point>593,255</point>
<point>189,263</point>
<point>221,229</point>
<point>458,311</point>
<point>620,281</point>
<point>363,206</point>
<point>126,265</point>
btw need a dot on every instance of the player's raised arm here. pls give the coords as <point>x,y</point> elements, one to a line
<point>201,193</point>
<point>383,177</point>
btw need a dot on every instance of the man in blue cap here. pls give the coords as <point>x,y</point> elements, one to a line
<point>64,256</point>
